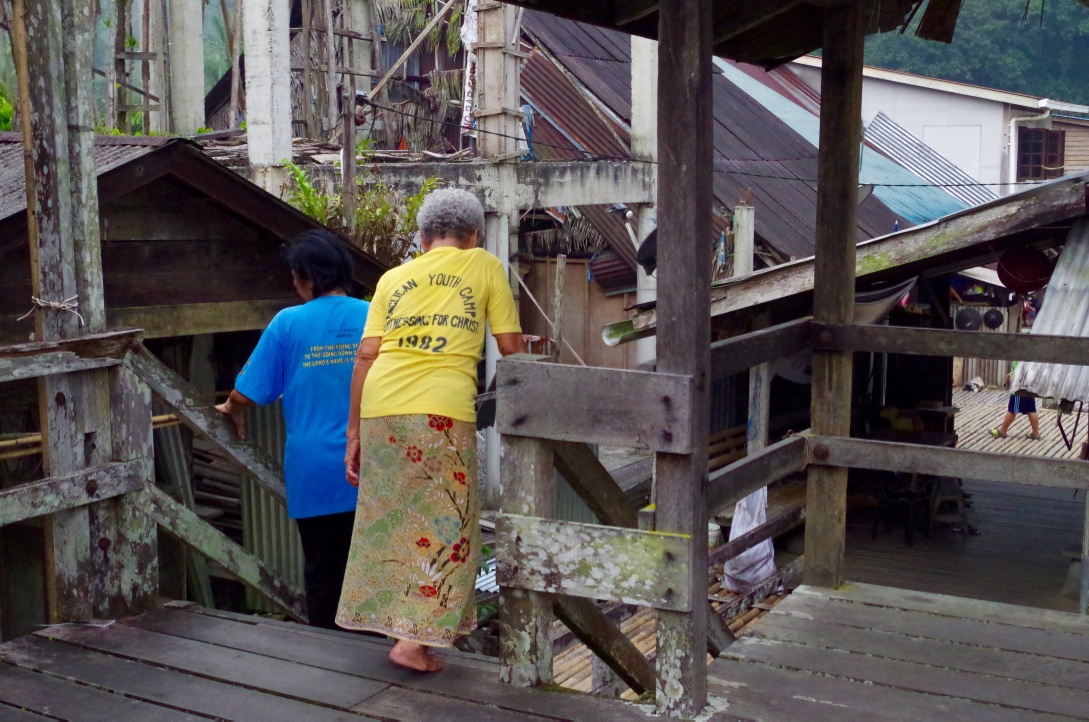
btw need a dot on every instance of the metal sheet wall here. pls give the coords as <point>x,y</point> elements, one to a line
<point>267,531</point>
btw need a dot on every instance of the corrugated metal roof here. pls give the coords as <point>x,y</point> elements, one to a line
<point>748,138</point>
<point>553,96</point>
<point>1065,313</point>
<point>895,142</point>
<point>110,152</point>
<point>901,190</point>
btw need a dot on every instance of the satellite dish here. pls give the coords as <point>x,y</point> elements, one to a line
<point>968,319</point>
<point>993,319</point>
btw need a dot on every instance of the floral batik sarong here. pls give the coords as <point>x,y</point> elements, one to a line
<point>416,543</point>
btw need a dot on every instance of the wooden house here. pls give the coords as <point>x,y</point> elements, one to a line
<point>191,253</point>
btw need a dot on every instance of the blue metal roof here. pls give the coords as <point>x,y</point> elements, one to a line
<point>904,192</point>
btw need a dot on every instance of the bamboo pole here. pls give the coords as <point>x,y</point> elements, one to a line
<point>330,70</point>
<point>145,70</point>
<point>307,91</point>
<point>557,306</point>
<point>18,51</point>
<point>411,48</point>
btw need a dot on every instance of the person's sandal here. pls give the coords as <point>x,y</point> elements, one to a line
<point>998,434</point>
<point>1032,436</point>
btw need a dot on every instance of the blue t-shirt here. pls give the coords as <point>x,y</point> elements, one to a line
<point>307,355</point>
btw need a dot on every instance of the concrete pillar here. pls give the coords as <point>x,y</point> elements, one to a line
<point>644,146</point>
<point>157,43</point>
<point>744,239</point>
<point>265,25</point>
<point>498,85</point>
<point>186,66</point>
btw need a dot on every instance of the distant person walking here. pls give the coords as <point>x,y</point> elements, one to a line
<point>412,435</point>
<point>306,355</point>
<point>1018,405</point>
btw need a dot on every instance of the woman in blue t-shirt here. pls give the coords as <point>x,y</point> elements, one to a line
<point>306,355</point>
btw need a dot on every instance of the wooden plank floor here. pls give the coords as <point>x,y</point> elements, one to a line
<point>981,411</point>
<point>1019,557</point>
<point>876,653</point>
<point>182,662</point>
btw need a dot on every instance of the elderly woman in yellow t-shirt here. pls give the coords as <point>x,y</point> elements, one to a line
<point>412,435</point>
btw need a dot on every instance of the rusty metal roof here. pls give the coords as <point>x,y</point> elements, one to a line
<point>582,126</point>
<point>110,152</point>
<point>755,151</point>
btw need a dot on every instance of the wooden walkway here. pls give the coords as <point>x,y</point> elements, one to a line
<point>183,662</point>
<point>865,652</point>
<point>877,653</point>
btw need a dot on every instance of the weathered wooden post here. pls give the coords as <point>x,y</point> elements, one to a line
<point>684,329</point>
<point>834,281</point>
<point>53,279</point>
<point>525,633</point>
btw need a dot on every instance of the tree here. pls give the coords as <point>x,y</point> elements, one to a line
<point>1037,49</point>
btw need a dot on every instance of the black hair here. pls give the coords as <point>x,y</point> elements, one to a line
<point>319,256</point>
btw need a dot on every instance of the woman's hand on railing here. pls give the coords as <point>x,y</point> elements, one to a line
<point>351,461</point>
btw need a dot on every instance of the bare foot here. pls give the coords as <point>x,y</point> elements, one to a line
<point>415,656</point>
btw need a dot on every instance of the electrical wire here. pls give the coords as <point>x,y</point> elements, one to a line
<point>725,171</point>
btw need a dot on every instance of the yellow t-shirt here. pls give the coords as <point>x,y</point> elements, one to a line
<point>430,314</point>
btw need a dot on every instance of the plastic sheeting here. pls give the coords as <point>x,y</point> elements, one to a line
<point>756,564</point>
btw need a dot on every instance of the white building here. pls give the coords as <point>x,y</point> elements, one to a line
<point>972,125</point>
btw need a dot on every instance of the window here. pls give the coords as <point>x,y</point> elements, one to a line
<point>1040,153</point>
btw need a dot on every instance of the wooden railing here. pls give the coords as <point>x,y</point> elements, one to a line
<point>547,415</point>
<point>123,563</point>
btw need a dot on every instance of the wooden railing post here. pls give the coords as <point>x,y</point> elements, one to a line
<point>684,336</point>
<point>834,281</point>
<point>525,618</point>
<point>134,551</point>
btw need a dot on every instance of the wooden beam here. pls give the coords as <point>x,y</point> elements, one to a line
<point>199,318</point>
<point>602,637</point>
<point>130,564</point>
<point>732,483</point>
<point>685,181</point>
<point>741,16</point>
<point>834,286</point>
<point>768,530</point>
<point>70,491</point>
<point>599,562</point>
<point>635,409</point>
<point>525,618</point>
<point>1071,350</point>
<point>187,527</point>
<point>594,484</point>
<point>956,463</point>
<point>201,416</point>
<point>742,353</point>
<point>959,240</point>
<point>44,358</point>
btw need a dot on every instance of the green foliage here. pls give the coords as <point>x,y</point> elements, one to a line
<point>131,43</point>
<point>997,46</point>
<point>307,197</point>
<point>385,216</point>
<point>6,109</point>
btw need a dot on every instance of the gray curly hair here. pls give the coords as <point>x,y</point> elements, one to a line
<point>450,212</point>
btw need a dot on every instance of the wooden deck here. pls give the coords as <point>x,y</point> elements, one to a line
<point>862,653</point>
<point>877,653</point>
<point>183,662</point>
